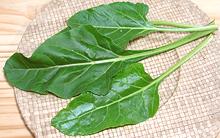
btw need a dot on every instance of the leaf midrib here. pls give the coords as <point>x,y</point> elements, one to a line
<point>120,58</point>
<point>117,101</point>
<point>125,28</point>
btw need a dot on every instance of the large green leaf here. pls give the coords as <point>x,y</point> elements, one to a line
<point>67,64</point>
<point>133,98</point>
<point>128,102</point>
<point>120,21</point>
<point>125,21</point>
<point>75,61</point>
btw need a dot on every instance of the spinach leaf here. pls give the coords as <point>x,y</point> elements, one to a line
<point>125,21</point>
<point>133,98</point>
<point>120,21</point>
<point>77,60</point>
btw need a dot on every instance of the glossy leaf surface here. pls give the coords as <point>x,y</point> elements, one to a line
<point>129,101</point>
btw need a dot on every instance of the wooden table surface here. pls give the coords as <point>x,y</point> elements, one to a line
<point>15,15</point>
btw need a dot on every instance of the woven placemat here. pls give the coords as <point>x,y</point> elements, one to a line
<point>189,98</point>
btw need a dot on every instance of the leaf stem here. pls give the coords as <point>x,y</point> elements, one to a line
<point>164,29</point>
<point>183,60</point>
<point>168,23</point>
<point>193,29</point>
<point>187,39</point>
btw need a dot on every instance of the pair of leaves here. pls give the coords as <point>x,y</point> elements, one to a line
<point>76,61</point>
<point>133,98</point>
<point>128,102</point>
<point>80,59</point>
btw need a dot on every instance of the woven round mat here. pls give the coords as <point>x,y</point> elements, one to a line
<point>189,104</point>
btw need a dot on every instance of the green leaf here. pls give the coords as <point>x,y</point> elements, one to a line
<point>75,61</point>
<point>125,21</point>
<point>133,98</point>
<point>120,21</point>
<point>126,103</point>
<point>67,64</point>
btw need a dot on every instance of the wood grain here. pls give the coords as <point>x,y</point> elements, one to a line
<point>14,18</point>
